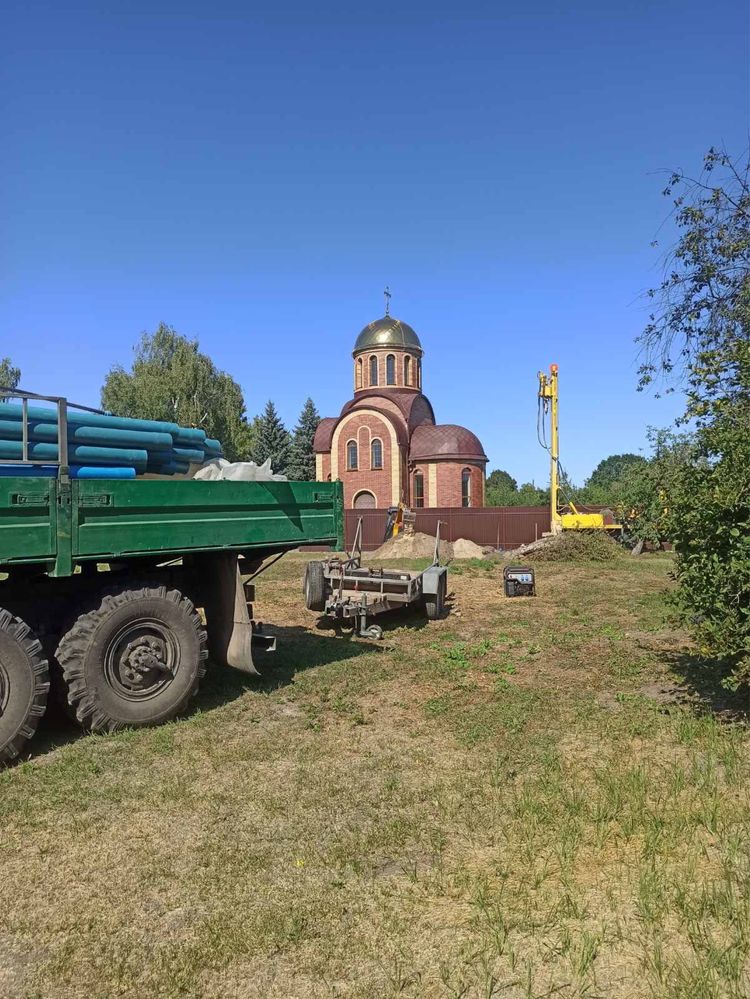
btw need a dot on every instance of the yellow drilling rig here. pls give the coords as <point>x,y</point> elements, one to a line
<point>548,411</point>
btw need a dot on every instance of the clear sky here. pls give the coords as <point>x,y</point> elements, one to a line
<point>255,174</point>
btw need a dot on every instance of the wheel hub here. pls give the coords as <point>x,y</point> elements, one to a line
<point>141,660</point>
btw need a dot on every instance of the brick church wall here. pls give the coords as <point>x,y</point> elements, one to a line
<point>449,483</point>
<point>363,428</point>
<point>399,370</point>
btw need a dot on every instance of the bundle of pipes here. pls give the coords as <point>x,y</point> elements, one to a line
<point>102,446</point>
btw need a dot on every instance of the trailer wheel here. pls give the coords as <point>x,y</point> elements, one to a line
<point>434,603</point>
<point>24,684</point>
<point>136,659</point>
<point>315,587</point>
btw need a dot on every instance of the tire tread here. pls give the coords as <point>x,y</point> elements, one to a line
<point>32,647</point>
<point>74,644</point>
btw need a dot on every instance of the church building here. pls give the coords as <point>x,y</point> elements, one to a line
<point>385,445</point>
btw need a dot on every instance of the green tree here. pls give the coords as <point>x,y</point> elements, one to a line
<point>272,440</point>
<point>708,504</point>
<point>302,456</point>
<point>501,479</point>
<point>610,470</point>
<point>172,380</point>
<point>530,494</point>
<point>638,496</point>
<point>500,488</point>
<point>698,337</point>
<point>10,376</point>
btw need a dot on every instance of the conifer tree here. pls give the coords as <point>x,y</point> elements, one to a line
<point>302,459</point>
<point>272,440</point>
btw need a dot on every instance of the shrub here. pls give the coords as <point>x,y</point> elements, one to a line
<point>578,546</point>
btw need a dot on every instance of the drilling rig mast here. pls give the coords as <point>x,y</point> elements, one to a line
<point>562,521</point>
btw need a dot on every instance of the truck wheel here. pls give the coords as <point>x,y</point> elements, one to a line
<point>315,587</point>
<point>24,684</point>
<point>136,659</point>
<point>434,603</point>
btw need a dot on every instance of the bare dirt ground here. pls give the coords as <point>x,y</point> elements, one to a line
<point>540,797</point>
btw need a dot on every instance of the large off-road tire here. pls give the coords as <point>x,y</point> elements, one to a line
<point>135,659</point>
<point>314,587</point>
<point>24,684</point>
<point>434,603</point>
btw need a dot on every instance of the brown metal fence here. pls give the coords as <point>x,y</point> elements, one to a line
<point>497,526</point>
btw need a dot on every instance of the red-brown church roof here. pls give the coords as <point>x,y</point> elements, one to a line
<point>324,433</point>
<point>445,440</point>
<point>422,412</point>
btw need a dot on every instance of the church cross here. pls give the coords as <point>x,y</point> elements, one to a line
<point>387,301</point>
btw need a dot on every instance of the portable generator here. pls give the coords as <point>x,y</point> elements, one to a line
<point>518,581</point>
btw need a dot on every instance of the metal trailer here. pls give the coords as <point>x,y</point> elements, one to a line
<point>101,582</point>
<point>346,590</point>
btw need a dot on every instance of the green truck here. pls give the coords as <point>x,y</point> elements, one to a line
<point>103,581</point>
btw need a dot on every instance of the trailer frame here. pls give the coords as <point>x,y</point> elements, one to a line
<point>353,592</point>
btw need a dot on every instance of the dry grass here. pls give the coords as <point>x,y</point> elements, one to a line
<point>524,800</point>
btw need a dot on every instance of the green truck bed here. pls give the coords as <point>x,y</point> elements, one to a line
<point>62,523</point>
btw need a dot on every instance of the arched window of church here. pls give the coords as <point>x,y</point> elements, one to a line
<point>419,372</point>
<point>418,489</point>
<point>407,370</point>
<point>359,372</point>
<point>390,370</point>
<point>351,456</point>
<point>376,453</point>
<point>466,487</point>
<point>373,370</point>
<point>365,500</point>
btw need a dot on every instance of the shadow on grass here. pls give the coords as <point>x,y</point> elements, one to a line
<point>413,619</point>
<point>700,685</point>
<point>298,650</point>
<point>55,730</point>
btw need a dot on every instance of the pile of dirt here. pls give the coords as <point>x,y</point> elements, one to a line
<point>412,545</point>
<point>463,548</point>
<point>570,546</point>
<point>418,545</point>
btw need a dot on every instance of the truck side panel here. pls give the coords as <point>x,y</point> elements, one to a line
<point>27,519</point>
<point>113,518</point>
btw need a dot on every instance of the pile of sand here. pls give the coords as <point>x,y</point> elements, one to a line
<point>463,548</point>
<point>418,545</point>
<point>412,545</point>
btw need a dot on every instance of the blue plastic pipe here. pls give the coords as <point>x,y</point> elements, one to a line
<point>190,437</point>
<point>80,418</point>
<point>100,436</point>
<point>28,471</point>
<point>168,468</point>
<point>77,454</point>
<point>100,472</point>
<point>189,454</point>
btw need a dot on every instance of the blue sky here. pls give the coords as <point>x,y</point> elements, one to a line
<point>255,174</point>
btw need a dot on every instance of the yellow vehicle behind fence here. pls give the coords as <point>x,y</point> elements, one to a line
<point>560,520</point>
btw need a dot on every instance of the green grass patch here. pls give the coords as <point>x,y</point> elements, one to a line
<point>502,803</point>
